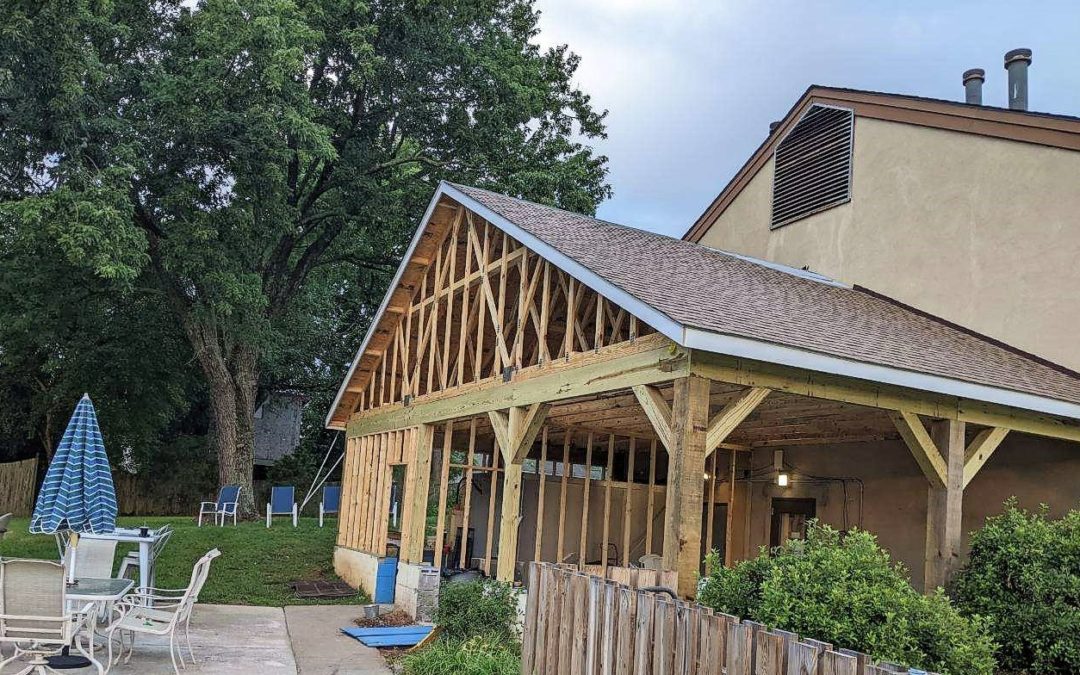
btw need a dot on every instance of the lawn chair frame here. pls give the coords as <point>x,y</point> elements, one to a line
<point>273,509</point>
<point>221,509</point>
<point>323,509</point>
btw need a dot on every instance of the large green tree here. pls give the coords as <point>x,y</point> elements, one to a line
<point>260,161</point>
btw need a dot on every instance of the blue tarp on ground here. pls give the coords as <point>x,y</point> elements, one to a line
<point>389,636</point>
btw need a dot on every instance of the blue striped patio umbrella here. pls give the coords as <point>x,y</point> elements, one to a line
<point>78,493</point>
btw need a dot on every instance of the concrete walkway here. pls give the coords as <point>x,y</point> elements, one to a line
<point>262,641</point>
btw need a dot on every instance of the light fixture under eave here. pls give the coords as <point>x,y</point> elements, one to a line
<point>782,477</point>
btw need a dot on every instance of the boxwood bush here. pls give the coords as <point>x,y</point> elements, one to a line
<point>844,589</point>
<point>1023,574</point>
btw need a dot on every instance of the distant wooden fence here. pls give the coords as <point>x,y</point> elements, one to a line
<point>135,497</point>
<point>17,481</point>
<point>580,623</point>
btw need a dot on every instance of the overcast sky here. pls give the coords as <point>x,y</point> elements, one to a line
<point>691,86</point>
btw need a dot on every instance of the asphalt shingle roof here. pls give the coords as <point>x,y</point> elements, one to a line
<point>713,290</point>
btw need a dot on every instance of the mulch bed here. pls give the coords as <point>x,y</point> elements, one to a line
<point>394,618</point>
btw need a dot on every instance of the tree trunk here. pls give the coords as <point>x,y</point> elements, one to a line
<point>232,379</point>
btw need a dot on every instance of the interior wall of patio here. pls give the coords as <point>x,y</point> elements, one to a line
<point>893,493</point>
<point>575,489</point>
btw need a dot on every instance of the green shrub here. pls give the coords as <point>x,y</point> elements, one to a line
<point>1024,576</point>
<point>481,655</point>
<point>478,608</point>
<point>845,590</point>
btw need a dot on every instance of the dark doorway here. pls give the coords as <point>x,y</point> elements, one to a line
<point>789,518</point>
<point>719,531</point>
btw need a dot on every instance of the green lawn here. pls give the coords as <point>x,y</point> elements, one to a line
<point>255,566</point>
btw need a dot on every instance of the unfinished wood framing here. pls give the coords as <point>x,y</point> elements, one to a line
<point>478,305</point>
<point>365,512</point>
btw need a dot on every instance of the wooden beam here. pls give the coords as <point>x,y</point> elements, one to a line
<point>648,360</point>
<point>532,419</point>
<point>748,372</point>
<point>657,410</point>
<point>685,485</point>
<point>979,451</point>
<point>516,429</point>
<point>944,508</point>
<point>731,416</point>
<point>419,483</point>
<point>922,446</point>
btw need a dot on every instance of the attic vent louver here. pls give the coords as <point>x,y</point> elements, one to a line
<point>813,165</point>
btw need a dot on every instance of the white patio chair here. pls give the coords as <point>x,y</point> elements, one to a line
<point>93,558</point>
<point>131,560</point>
<point>161,611</point>
<point>35,617</point>
<point>4,520</point>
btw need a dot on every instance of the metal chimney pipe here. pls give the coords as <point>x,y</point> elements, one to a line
<point>973,83</point>
<point>1017,62</point>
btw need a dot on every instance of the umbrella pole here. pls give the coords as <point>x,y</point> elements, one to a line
<point>73,551</point>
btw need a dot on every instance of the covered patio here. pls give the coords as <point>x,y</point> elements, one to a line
<point>606,395</point>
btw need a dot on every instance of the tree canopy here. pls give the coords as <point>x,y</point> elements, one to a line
<point>249,171</point>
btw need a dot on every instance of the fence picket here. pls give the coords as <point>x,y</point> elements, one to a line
<point>835,663</point>
<point>583,623</point>
<point>802,659</point>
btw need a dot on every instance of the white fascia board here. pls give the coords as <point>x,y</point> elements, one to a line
<point>382,308</point>
<point>824,363</point>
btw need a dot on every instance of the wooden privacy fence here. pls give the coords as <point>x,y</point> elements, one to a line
<point>17,481</point>
<point>584,624</point>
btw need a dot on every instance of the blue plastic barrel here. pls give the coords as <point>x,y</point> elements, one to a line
<point>385,579</point>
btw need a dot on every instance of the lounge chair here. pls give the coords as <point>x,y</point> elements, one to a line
<point>36,619</point>
<point>331,502</point>
<point>161,611</point>
<point>226,505</point>
<point>282,503</point>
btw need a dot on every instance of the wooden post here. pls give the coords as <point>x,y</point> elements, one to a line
<point>540,504</point>
<point>686,481</point>
<point>729,526</point>
<point>444,487</point>
<point>944,507</point>
<point>511,501</point>
<point>584,534</point>
<point>567,435</point>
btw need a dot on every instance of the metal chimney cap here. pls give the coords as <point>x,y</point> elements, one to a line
<point>974,74</point>
<point>1021,54</point>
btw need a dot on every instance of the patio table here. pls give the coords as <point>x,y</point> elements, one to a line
<point>132,535</point>
<point>98,590</point>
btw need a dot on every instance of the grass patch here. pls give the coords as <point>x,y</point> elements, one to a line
<point>255,566</point>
